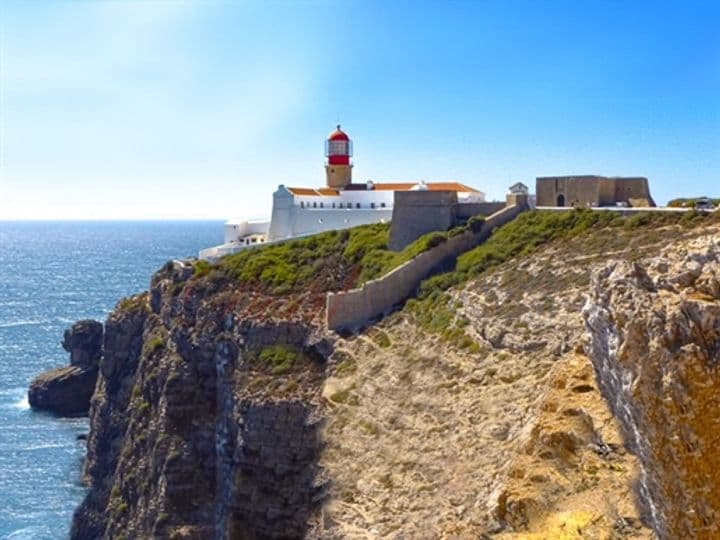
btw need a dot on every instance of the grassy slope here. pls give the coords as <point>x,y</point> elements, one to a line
<point>523,236</point>
<point>327,261</point>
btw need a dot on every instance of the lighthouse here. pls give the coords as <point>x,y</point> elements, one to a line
<point>338,150</point>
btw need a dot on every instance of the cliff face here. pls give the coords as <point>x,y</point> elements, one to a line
<point>223,410</point>
<point>654,333</point>
<point>204,424</point>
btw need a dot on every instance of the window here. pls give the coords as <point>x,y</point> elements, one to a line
<point>302,204</point>
<point>382,205</point>
<point>321,205</point>
<point>341,205</point>
<point>333,205</point>
<point>372,205</point>
<point>337,148</point>
<point>357,205</point>
<point>314,205</point>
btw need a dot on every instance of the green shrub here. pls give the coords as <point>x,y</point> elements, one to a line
<point>135,303</point>
<point>154,344</point>
<point>201,268</point>
<point>476,223</point>
<point>382,339</point>
<point>143,407</point>
<point>280,358</point>
<point>363,240</point>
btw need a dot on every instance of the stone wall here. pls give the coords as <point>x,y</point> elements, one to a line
<point>590,190</point>
<point>467,210</point>
<point>352,309</point>
<point>419,212</point>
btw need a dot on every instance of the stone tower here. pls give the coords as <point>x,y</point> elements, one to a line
<point>338,149</point>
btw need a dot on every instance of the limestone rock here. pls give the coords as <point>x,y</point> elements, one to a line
<point>83,340</point>
<point>195,434</point>
<point>655,352</point>
<point>67,391</point>
<point>64,391</point>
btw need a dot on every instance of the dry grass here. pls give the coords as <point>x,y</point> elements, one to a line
<point>428,435</point>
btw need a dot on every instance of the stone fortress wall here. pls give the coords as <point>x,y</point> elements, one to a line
<point>592,190</point>
<point>346,310</point>
<point>419,212</point>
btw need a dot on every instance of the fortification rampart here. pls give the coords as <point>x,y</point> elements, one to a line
<point>346,310</point>
<point>467,210</point>
<point>419,212</point>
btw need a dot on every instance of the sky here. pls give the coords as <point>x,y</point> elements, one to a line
<point>182,109</point>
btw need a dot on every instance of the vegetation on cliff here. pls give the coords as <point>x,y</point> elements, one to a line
<point>499,430</point>
<point>589,230</point>
<point>327,261</point>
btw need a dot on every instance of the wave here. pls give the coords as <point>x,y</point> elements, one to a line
<point>23,404</point>
<point>36,532</point>
<point>22,322</point>
<point>45,446</point>
<point>14,398</point>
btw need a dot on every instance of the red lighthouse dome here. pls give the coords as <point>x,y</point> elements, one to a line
<point>338,147</point>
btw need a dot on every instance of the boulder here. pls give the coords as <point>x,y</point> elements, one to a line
<point>66,391</point>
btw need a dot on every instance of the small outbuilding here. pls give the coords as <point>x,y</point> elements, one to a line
<point>519,188</point>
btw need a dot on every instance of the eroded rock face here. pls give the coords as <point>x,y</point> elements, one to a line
<point>192,433</point>
<point>654,340</point>
<point>67,391</point>
<point>83,340</point>
<point>64,391</point>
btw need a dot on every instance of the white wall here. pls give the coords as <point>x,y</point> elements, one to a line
<point>305,221</point>
<point>237,229</point>
<point>365,198</point>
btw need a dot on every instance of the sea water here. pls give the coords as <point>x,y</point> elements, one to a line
<point>52,274</point>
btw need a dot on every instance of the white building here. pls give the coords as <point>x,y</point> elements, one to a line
<point>340,204</point>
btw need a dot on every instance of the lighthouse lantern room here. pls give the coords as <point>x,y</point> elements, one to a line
<point>338,150</point>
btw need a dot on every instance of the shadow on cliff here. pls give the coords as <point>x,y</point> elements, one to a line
<point>276,489</point>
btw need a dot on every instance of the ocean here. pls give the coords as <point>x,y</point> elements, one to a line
<point>52,274</point>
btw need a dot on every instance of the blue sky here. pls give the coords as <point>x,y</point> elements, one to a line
<point>199,109</point>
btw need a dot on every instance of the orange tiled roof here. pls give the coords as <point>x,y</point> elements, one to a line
<point>432,186</point>
<point>404,186</point>
<point>312,192</point>
<point>395,186</point>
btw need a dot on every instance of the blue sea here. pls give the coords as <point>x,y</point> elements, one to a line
<point>52,274</point>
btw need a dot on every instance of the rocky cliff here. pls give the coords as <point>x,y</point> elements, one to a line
<point>654,330</point>
<point>204,422</point>
<point>66,391</point>
<point>224,409</point>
